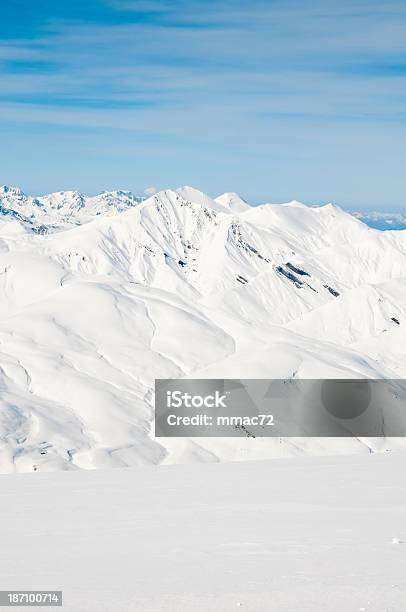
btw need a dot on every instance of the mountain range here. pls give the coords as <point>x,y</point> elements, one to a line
<point>382,220</point>
<point>99,296</point>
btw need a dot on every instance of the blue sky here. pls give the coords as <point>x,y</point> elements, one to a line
<point>275,99</point>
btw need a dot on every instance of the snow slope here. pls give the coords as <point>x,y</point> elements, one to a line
<point>310,534</point>
<point>100,296</point>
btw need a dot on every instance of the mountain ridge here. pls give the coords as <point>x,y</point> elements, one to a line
<point>62,208</point>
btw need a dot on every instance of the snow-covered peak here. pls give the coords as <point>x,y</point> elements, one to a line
<point>65,201</point>
<point>10,191</point>
<point>233,201</point>
<point>198,197</point>
<point>295,203</point>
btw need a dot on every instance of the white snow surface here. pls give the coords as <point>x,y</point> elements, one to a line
<point>99,296</point>
<point>308,534</point>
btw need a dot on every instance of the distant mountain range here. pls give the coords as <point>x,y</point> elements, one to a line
<point>382,221</point>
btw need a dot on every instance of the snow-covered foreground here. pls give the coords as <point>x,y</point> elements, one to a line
<point>304,534</point>
<point>101,296</point>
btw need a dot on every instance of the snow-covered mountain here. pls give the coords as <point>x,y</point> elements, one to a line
<point>56,210</point>
<point>100,296</point>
